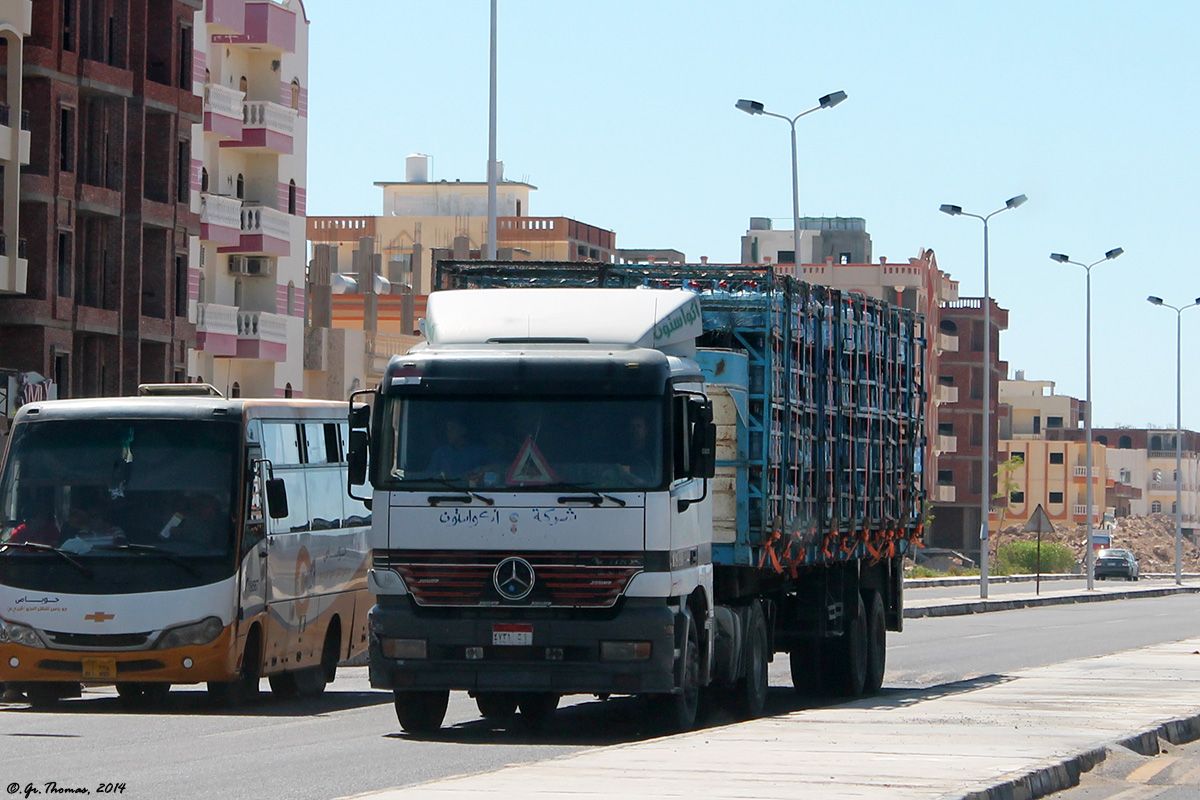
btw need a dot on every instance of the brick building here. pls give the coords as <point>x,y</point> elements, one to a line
<point>104,200</point>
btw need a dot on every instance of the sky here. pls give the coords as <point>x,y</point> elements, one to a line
<point>621,113</point>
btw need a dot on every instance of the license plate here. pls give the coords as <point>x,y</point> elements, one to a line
<point>99,669</point>
<point>512,634</point>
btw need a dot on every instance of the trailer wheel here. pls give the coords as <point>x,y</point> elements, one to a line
<point>421,711</point>
<point>844,659</point>
<point>679,711</point>
<point>750,692</point>
<point>876,643</point>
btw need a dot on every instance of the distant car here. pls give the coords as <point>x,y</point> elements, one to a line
<point>1116,564</point>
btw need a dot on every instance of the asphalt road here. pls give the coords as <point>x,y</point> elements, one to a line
<point>349,741</point>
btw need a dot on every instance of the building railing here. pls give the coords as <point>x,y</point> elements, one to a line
<point>272,116</point>
<point>1169,454</point>
<point>1081,472</point>
<point>216,319</point>
<point>222,100</point>
<point>216,209</point>
<point>266,221</point>
<point>1080,510</point>
<point>262,325</point>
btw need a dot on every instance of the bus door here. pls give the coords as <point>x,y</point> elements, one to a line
<point>252,555</point>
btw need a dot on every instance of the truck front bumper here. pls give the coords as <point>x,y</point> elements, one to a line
<point>554,654</point>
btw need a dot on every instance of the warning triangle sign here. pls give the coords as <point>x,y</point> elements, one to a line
<point>530,467</point>
<point>1039,522</point>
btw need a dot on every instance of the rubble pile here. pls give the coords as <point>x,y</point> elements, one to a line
<point>1152,540</point>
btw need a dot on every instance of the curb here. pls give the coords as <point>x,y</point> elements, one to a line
<point>1065,774</point>
<point>984,606</point>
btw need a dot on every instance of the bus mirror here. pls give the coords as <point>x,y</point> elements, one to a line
<point>703,450</point>
<point>357,458</point>
<point>277,498</point>
<point>360,417</point>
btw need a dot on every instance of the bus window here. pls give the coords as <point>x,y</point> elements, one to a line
<point>281,443</point>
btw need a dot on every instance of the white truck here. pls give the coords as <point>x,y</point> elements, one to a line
<point>617,480</point>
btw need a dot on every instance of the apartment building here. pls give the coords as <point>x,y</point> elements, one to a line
<point>246,288</point>
<point>96,300</point>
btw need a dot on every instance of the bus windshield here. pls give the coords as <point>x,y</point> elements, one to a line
<point>119,505</point>
<point>522,443</point>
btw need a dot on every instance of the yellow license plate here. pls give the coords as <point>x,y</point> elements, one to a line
<point>99,669</point>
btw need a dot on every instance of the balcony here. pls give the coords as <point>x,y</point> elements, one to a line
<point>223,111</point>
<point>943,494</point>
<point>266,126</point>
<point>260,26</point>
<point>946,394</point>
<point>261,335</point>
<point>945,444</point>
<point>14,272</point>
<point>1081,472</point>
<point>263,231</point>
<point>7,132</point>
<point>1080,510</point>
<point>217,329</point>
<point>947,343</point>
<point>220,219</point>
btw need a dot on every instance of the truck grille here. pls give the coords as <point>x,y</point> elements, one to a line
<point>592,580</point>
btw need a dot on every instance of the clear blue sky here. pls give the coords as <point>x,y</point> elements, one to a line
<point>622,113</point>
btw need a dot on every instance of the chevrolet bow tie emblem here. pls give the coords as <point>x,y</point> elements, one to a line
<point>99,616</point>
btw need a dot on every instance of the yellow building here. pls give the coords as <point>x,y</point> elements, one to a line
<point>1053,474</point>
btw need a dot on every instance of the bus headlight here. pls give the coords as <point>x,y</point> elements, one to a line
<point>11,632</point>
<point>203,632</point>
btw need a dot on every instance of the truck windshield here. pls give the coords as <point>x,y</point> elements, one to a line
<point>534,444</point>
<point>103,506</point>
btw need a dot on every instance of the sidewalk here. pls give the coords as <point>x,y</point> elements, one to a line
<point>1054,590</point>
<point>1010,737</point>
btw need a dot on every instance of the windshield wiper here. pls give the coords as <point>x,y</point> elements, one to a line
<point>466,494</point>
<point>151,550</point>
<point>87,573</point>
<point>594,497</point>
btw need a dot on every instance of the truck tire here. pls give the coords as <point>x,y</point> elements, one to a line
<point>497,706</point>
<point>876,643</point>
<point>421,711</point>
<point>750,692</point>
<point>844,659</point>
<point>805,662</point>
<point>678,712</point>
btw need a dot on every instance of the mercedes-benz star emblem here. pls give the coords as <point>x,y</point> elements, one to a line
<point>513,578</point>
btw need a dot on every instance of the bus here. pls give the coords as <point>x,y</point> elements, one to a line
<point>179,537</point>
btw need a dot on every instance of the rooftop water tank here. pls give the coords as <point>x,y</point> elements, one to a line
<point>417,168</point>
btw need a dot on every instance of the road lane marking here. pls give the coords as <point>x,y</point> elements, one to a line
<point>1146,772</point>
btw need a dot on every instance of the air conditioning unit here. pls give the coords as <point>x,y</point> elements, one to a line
<point>250,265</point>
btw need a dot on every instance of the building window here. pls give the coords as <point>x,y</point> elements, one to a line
<point>181,285</point>
<point>66,139</point>
<point>1156,476</point>
<point>64,264</point>
<point>204,179</point>
<point>243,85</point>
<point>786,257</point>
<point>291,298</point>
<point>1172,507</point>
<point>1156,442</point>
<point>1102,440</point>
<point>1056,497</point>
<point>945,477</point>
<point>291,197</point>
<point>1054,422</point>
<point>1016,497</point>
<point>1126,476</point>
<point>185,57</point>
<point>1056,458</point>
<point>200,287</point>
<point>287,390</point>
<point>1125,443</point>
<point>236,390</point>
<point>68,31</point>
<point>296,94</point>
<point>183,171</point>
<point>1156,507</point>
<point>945,429</point>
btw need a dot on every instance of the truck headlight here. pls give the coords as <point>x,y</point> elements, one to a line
<point>11,632</point>
<point>205,631</point>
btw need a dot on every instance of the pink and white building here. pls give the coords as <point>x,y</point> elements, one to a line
<point>249,165</point>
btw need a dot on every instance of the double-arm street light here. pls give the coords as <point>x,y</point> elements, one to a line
<point>1087,410</point>
<point>985,490</point>
<point>1158,301</point>
<point>753,107</point>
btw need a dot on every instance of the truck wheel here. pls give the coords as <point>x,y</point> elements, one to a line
<point>496,705</point>
<point>679,711</point>
<point>537,708</point>
<point>750,692</point>
<point>423,711</point>
<point>805,662</point>
<point>844,659</point>
<point>876,643</point>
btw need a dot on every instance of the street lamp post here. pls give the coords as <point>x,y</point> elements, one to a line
<point>1087,410</point>
<point>490,251</point>
<point>753,107</point>
<point>985,489</point>
<point>1158,301</point>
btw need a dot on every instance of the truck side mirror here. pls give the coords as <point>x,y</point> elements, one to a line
<point>360,417</point>
<point>703,450</point>
<point>277,502</point>
<point>356,458</point>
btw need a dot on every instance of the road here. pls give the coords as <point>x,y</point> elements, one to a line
<point>349,741</point>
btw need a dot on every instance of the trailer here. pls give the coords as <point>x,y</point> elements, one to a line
<point>765,506</point>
